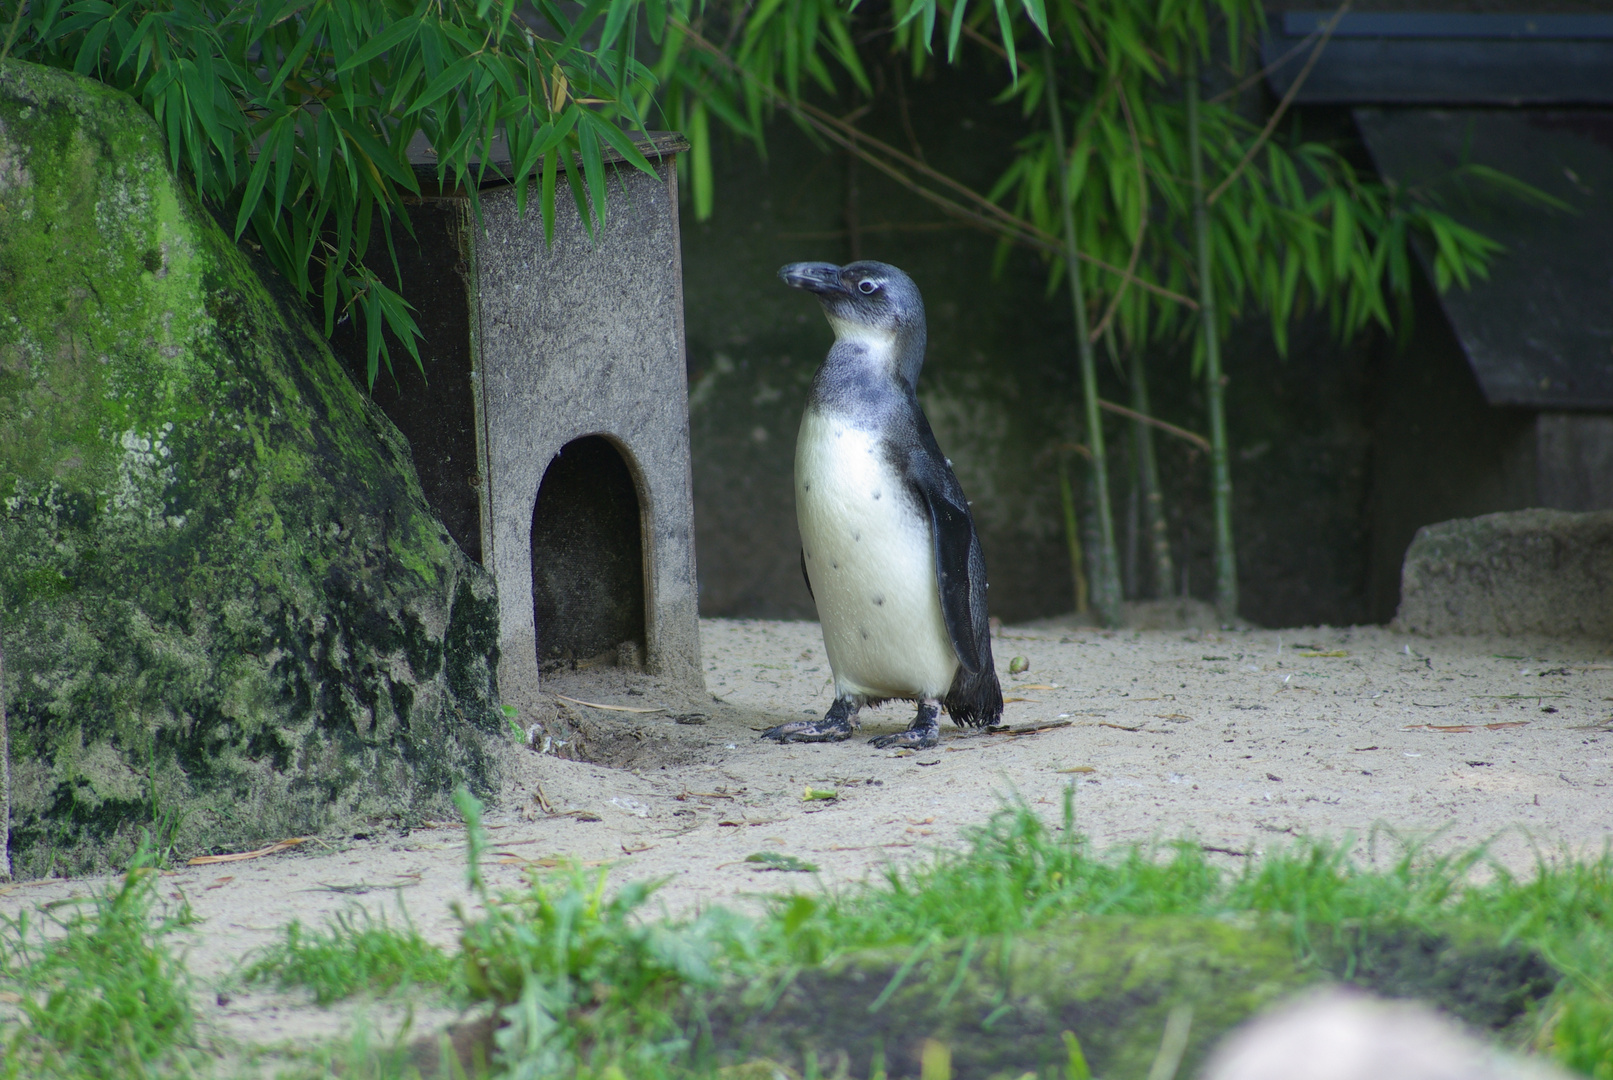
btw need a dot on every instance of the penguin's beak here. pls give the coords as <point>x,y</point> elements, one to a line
<point>816,277</point>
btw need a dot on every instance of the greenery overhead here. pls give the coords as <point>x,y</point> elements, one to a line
<point>294,118</point>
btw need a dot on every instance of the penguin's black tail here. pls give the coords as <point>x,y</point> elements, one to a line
<point>976,698</point>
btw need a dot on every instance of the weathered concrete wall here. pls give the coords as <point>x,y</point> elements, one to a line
<point>1574,460</point>
<point>228,613</point>
<point>1525,572</point>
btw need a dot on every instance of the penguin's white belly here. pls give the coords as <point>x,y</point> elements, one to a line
<point>872,565</point>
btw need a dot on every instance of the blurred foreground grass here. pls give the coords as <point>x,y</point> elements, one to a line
<point>584,982</point>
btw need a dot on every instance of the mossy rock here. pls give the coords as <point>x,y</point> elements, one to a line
<point>1462,969</point>
<point>227,611</point>
<point>1002,1007</point>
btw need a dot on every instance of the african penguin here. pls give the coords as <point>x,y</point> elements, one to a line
<point>888,547</point>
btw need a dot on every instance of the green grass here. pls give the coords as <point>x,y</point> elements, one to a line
<point>356,953</point>
<point>1019,873</point>
<point>579,971</point>
<point>98,992</point>
<point>590,985</point>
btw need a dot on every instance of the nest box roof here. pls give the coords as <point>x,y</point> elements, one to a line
<point>1539,332</point>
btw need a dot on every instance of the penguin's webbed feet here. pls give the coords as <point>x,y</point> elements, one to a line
<point>923,733</point>
<point>824,730</point>
<point>836,726</point>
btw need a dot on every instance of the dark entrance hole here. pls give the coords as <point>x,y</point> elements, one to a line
<point>588,559</point>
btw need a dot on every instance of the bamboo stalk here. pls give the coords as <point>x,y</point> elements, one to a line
<point>1106,589</point>
<point>1072,536</point>
<point>1226,565</point>
<point>1130,573</point>
<point>1155,527</point>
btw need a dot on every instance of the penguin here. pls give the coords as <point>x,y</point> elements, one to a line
<point>888,546</point>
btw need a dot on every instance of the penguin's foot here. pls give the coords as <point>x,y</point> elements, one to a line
<point>824,730</point>
<point>924,732</point>
<point>836,726</point>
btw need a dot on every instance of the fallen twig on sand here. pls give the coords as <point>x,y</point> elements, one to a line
<point>242,856</point>
<point>1029,729</point>
<point>609,708</point>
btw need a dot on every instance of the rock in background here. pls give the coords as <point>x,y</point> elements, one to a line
<point>228,613</point>
<point>1525,572</point>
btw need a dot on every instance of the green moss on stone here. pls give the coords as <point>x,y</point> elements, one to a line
<point>225,603</point>
<point>1002,1006</point>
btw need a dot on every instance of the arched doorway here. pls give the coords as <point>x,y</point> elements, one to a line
<point>588,559</point>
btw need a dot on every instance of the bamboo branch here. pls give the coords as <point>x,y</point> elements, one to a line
<point>1181,433</point>
<point>1028,232</point>
<point>854,144</point>
<point>1282,106</point>
<point>989,216</point>
<point>1233,91</point>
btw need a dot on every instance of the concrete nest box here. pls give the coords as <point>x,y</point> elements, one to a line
<point>550,426</point>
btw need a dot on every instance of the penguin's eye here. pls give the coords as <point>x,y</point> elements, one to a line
<point>867,287</point>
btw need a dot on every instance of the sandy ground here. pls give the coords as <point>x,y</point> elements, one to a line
<point>1239,740</point>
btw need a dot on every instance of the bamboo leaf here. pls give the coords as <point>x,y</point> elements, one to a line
<point>395,313</point>
<point>1343,234</point>
<point>592,162</point>
<point>298,53</point>
<point>954,28</point>
<point>446,82</point>
<point>846,53</point>
<point>1525,192</point>
<point>379,157</point>
<point>615,19</point>
<point>1037,11</point>
<point>394,35</point>
<point>254,191</point>
<point>700,179</point>
<point>285,153</point>
<point>1005,26</point>
<point>578,196</point>
<point>550,168</point>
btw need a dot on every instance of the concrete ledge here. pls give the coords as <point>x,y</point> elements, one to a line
<point>1544,572</point>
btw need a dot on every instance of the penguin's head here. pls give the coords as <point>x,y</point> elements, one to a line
<point>872,303</point>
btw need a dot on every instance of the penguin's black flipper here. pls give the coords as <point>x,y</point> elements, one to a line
<point>805,577</point>
<point>976,697</point>
<point>960,568</point>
